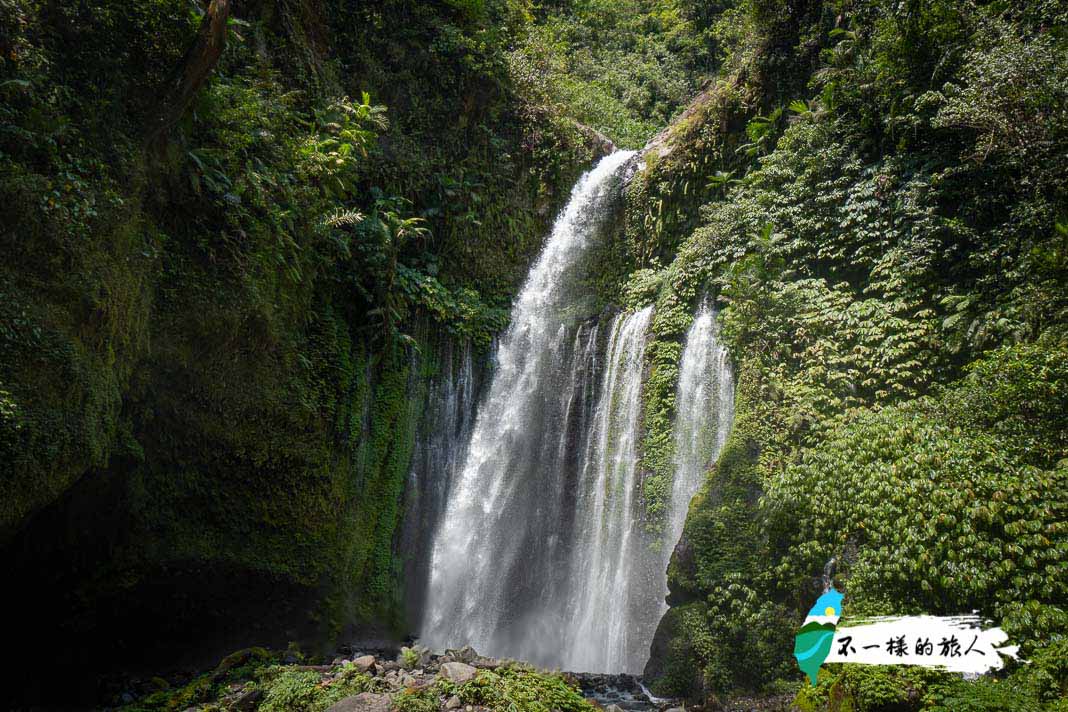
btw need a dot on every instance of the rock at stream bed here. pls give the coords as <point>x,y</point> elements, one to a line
<point>242,698</point>
<point>458,673</point>
<point>364,662</point>
<point>363,702</point>
<point>465,654</point>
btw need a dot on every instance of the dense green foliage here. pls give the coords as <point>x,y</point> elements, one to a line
<point>622,68</point>
<point>884,227</point>
<point>517,687</point>
<point>215,336</point>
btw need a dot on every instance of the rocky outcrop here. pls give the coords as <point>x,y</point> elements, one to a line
<point>599,144</point>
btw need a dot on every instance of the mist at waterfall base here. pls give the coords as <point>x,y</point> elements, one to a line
<point>539,551</point>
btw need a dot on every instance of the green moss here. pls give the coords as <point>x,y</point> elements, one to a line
<point>65,361</point>
<point>382,461</point>
<point>243,659</point>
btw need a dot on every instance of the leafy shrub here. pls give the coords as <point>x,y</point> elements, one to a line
<point>295,690</point>
<point>410,700</point>
<point>291,690</point>
<point>940,518</point>
<point>520,689</point>
<point>410,657</point>
<point>982,695</point>
<point>1019,393</point>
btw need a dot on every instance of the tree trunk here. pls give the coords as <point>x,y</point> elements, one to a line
<point>201,57</point>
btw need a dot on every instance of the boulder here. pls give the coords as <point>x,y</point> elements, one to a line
<point>246,700</point>
<point>465,654</point>
<point>596,141</point>
<point>453,703</point>
<point>363,702</point>
<point>364,662</point>
<point>419,682</point>
<point>457,673</point>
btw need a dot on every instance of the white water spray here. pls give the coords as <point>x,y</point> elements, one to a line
<point>541,553</point>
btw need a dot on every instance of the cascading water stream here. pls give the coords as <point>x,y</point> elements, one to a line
<point>439,452</point>
<point>608,551</point>
<point>499,566</point>
<point>540,552</point>
<point>704,405</point>
<point>704,411</point>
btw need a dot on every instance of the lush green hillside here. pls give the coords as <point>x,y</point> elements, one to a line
<point>622,68</point>
<point>876,194</point>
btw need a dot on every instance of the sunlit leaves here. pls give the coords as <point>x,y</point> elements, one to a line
<point>926,511</point>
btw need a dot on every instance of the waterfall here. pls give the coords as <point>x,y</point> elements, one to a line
<point>609,561</point>
<point>501,561</point>
<point>704,410</point>
<point>540,552</point>
<point>440,445</point>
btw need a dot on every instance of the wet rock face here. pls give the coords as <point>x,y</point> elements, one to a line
<point>599,682</point>
<point>616,693</point>
<point>600,144</point>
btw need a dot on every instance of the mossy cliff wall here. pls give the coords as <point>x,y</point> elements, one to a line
<point>207,398</point>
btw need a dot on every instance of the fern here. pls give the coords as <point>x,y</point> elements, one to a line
<point>342,217</point>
